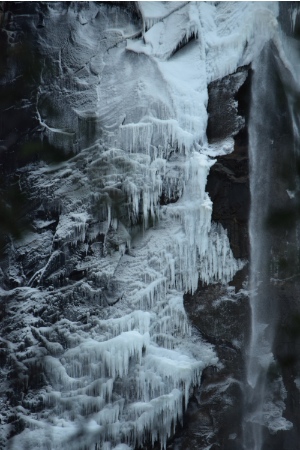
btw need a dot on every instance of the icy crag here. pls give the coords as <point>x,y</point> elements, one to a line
<point>103,353</point>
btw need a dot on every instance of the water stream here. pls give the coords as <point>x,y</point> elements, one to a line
<point>275,66</point>
<point>260,149</point>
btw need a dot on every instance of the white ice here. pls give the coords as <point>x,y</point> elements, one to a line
<point>128,373</point>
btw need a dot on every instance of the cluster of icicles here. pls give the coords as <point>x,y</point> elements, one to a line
<point>123,379</point>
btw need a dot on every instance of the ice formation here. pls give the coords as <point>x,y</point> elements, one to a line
<point>122,377</point>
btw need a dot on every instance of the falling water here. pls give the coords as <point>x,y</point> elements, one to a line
<point>260,151</point>
<point>275,62</point>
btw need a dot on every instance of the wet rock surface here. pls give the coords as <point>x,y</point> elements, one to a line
<point>222,319</point>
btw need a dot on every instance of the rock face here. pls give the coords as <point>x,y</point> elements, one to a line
<point>228,180</point>
<point>222,319</point>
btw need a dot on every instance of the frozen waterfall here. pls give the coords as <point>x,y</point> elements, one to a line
<point>133,232</point>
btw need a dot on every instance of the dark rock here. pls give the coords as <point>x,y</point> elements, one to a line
<point>223,320</point>
<point>223,118</point>
<point>228,187</point>
<point>228,180</point>
<point>222,314</point>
